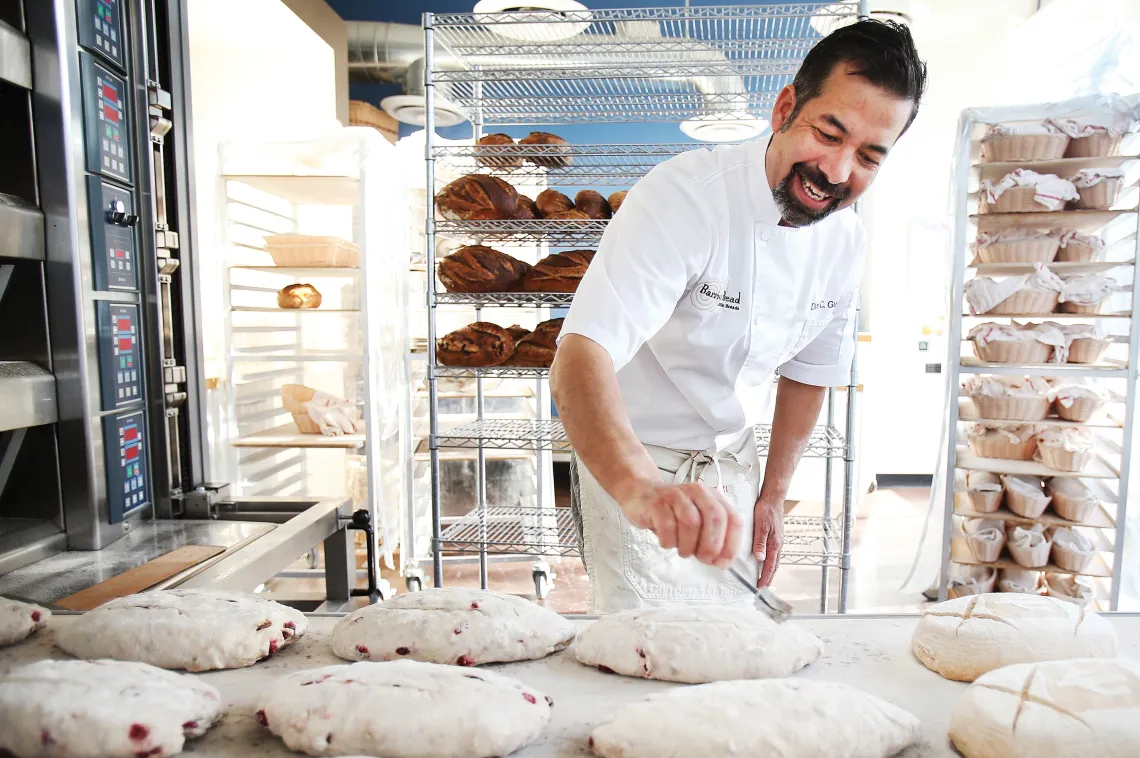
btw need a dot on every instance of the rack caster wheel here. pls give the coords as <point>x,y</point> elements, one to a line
<point>415,584</point>
<point>542,584</point>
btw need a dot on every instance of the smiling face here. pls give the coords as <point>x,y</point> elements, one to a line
<point>824,157</point>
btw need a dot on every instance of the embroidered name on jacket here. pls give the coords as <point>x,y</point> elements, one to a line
<point>711,293</point>
<point>823,304</point>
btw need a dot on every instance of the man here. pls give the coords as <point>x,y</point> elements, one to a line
<point>721,268</point>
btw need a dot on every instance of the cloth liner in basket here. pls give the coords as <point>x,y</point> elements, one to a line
<point>1074,247</point>
<point>1016,246</point>
<point>1085,343</point>
<point>1072,551</point>
<point>1076,401</point>
<point>970,580</point>
<point>1065,448</point>
<point>1005,442</point>
<point>1028,545</point>
<point>307,250</point>
<point>316,412</point>
<point>1072,589</point>
<point>1094,136</point>
<point>1016,343</point>
<point>1009,398</point>
<point>1097,188</point>
<point>984,490</point>
<point>1086,293</point>
<point>985,537</point>
<point>1024,495</point>
<point>1039,193</point>
<point>1073,500</point>
<point>1033,293</point>
<point>1038,141</point>
<point>1026,581</point>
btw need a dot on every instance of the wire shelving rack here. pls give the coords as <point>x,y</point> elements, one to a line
<point>641,65</point>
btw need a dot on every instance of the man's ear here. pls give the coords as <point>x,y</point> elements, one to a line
<point>782,110</point>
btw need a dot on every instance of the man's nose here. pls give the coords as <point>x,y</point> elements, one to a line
<point>836,166</point>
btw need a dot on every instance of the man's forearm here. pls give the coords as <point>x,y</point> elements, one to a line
<point>797,410</point>
<point>585,389</point>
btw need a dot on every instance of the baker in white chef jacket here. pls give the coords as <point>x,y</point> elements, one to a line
<point>723,267</point>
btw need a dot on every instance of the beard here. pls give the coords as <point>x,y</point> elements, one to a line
<point>793,211</point>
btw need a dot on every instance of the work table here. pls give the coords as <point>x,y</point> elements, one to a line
<point>871,653</point>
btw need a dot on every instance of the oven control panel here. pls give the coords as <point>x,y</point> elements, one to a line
<point>101,29</point>
<point>107,121</point>
<point>112,213</point>
<point>125,440</point>
<point>120,364</point>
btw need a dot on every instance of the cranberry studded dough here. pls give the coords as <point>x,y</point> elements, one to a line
<point>196,630</point>
<point>403,709</point>
<point>101,709</point>
<point>463,627</point>
<point>695,644</point>
<point>20,620</point>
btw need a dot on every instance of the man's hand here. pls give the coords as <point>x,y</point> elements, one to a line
<point>691,517</point>
<point>768,537</point>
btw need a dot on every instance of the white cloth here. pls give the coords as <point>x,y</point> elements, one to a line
<point>1071,439</point>
<point>1087,289</point>
<point>699,296</point>
<point>1018,130</point>
<point>1007,386</point>
<point>1067,394</point>
<point>1050,190</point>
<point>333,415</point>
<point>1115,124</point>
<point>1070,235</point>
<point>1088,177</point>
<point>628,568</point>
<point>984,293</point>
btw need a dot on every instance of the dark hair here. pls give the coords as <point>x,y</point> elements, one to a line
<point>882,52</point>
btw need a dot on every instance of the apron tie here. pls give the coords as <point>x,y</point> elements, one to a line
<point>693,466</point>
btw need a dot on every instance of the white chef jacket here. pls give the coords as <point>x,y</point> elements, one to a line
<point>699,296</point>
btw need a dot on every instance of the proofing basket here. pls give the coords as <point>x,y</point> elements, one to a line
<point>1024,147</point>
<point>1027,301</point>
<point>294,397</point>
<point>1060,459</point>
<point>1011,408</point>
<point>1016,200</point>
<point>1000,351</point>
<point>982,587</point>
<point>1100,196</point>
<point>1081,410</point>
<point>1077,509</point>
<point>1024,505</point>
<point>1001,447</point>
<point>1077,252</point>
<point>305,424</point>
<point>308,251</point>
<point>1096,146</point>
<point>1087,350</point>
<point>986,551</point>
<point>985,502</point>
<point>1040,249</point>
<point>1068,307</point>
<point>1070,560</point>
<point>1055,588</point>
<point>1030,557</point>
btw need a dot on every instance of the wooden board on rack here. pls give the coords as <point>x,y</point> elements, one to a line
<point>1099,519</point>
<point>967,411</point>
<point>287,435</point>
<point>260,309</point>
<point>316,272</point>
<point>141,577</point>
<point>1060,167</point>
<point>1109,364</point>
<point>1049,316</point>
<point>1086,221</point>
<point>960,553</point>
<point>1062,267</point>
<point>305,190</point>
<point>1097,469</point>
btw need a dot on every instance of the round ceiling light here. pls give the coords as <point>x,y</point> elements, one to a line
<point>709,129</point>
<point>552,23</point>
<point>412,109</point>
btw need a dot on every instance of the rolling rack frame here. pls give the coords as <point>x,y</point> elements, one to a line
<point>715,63</point>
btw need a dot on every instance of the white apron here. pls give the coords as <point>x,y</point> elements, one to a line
<point>628,568</point>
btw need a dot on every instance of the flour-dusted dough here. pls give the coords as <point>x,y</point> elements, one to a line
<point>1088,707</point>
<point>19,620</point>
<point>101,709</point>
<point>789,718</point>
<point>196,630</point>
<point>458,626</point>
<point>696,643</point>
<point>403,709</point>
<point>964,638</point>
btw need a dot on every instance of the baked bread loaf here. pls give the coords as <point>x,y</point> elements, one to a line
<point>299,296</point>
<point>475,345</point>
<point>518,332</point>
<point>592,204</point>
<point>476,268</point>
<point>551,201</point>
<point>549,157</point>
<point>572,215</point>
<point>490,146</point>
<point>536,349</point>
<point>477,197</point>
<point>616,199</point>
<point>560,272</point>
<point>527,210</point>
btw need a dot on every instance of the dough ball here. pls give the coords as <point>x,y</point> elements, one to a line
<point>696,644</point>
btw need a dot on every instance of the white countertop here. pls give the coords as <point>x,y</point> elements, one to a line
<point>869,653</point>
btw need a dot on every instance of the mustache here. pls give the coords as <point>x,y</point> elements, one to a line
<point>816,177</point>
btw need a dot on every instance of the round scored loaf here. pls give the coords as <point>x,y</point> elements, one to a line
<point>560,272</point>
<point>475,268</point>
<point>571,215</point>
<point>299,296</point>
<point>592,204</point>
<point>480,344</point>
<point>550,202</point>
<point>547,153</point>
<point>489,149</point>
<point>616,199</point>
<point>527,210</point>
<point>477,197</point>
<point>536,349</point>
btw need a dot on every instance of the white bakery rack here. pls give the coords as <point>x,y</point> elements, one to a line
<point>525,68</point>
<point>1109,472</point>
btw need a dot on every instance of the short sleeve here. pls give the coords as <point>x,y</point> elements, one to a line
<point>652,251</point>
<point>826,360</point>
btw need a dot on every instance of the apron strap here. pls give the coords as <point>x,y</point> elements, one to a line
<point>697,461</point>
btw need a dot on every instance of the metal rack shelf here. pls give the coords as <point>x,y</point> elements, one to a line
<point>506,299</point>
<point>647,64</point>
<point>597,165</point>
<point>812,541</point>
<point>514,531</point>
<point>825,442</point>
<point>492,372</point>
<point>520,434</point>
<point>557,232</point>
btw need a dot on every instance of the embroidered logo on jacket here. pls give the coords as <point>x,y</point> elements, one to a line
<point>709,294</point>
<point>822,304</point>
